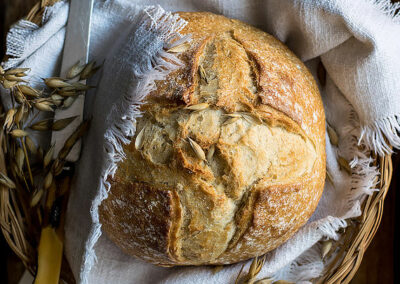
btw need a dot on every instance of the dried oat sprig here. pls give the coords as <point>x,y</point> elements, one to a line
<point>255,268</point>
<point>27,168</point>
<point>27,161</point>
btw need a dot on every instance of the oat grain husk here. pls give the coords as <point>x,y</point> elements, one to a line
<point>179,48</point>
<point>9,118</point>
<point>333,137</point>
<point>326,247</point>
<point>62,123</point>
<point>231,120</point>
<point>6,181</point>
<point>75,70</point>
<point>28,91</point>
<point>56,82</point>
<point>49,155</point>
<point>198,107</point>
<point>16,71</point>
<point>139,140</point>
<point>197,149</point>
<point>18,133</point>
<point>210,152</point>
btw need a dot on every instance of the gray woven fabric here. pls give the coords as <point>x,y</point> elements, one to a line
<point>355,41</point>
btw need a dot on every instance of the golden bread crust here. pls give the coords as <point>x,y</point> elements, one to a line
<point>234,178</point>
<point>155,213</point>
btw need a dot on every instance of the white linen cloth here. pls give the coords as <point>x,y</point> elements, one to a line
<point>356,41</point>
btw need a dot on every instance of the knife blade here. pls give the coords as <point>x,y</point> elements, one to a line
<point>76,48</point>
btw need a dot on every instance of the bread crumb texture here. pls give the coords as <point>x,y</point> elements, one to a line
<point>231,157</point>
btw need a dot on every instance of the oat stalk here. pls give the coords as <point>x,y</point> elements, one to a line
<point>28,165</point>
<point>25,173</point>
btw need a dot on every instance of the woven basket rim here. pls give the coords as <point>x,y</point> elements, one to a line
<point>353,244</point>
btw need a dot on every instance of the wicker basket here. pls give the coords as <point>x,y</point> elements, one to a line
<point>351,247</point>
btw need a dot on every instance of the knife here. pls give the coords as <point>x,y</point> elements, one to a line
<point>76,48</point>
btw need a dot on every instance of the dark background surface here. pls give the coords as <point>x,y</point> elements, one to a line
<point>380,263</point>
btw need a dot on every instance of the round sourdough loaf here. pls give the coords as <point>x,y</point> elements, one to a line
<point>228,160</point>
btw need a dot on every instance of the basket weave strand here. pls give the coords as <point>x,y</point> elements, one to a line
<point>360,233</point>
